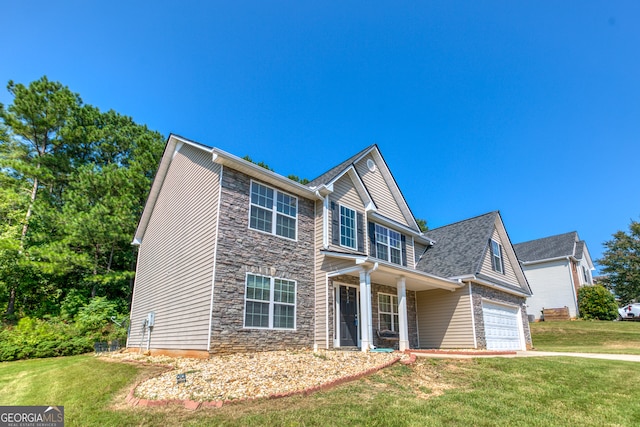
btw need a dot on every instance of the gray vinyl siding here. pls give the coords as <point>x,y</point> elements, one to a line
<point>509,275</point>
<point>445,319</point>
<point>380,191</point>
<point>175,259</point>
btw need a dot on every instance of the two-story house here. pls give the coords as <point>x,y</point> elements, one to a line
<point>556,268</point>
<point>234,257</point>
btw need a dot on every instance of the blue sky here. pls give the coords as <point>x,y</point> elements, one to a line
<point>530,108</point>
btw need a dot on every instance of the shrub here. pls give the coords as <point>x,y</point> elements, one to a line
<point>596,302</point>
<point>32,337</point>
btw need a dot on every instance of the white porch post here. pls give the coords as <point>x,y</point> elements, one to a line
<point>363,320</point>
<point>367,280</point>
<point>402,315</point>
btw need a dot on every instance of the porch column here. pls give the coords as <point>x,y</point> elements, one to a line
<point>402,315</point>
<point>363,320</point>
<point>367,281</point>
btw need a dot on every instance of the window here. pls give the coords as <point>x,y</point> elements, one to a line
<point>387,312</point>
<point>388,244</point>
<point>273,211</point>
<point>586,274</point>
<point>269,302</point>
<point>347,227</point>
<point>496,257</point>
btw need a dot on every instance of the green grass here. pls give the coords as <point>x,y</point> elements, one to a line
<point>432,392</point>
<point>587,336</point>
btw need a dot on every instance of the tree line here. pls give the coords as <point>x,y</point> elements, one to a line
<point>73,183</point>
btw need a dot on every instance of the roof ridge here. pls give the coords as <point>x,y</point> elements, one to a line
<point>335,170</point>
<point>463,220</point>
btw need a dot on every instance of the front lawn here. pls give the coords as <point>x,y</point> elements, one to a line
<point>478,392</point>
<point>587,336</point>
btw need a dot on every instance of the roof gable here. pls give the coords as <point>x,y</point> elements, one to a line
<point>381,187</point>
<point>459,247</point>
<point>462,249</point>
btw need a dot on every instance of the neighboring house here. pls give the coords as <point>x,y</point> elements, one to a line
<point>234,257</point>
<point>556,267</point>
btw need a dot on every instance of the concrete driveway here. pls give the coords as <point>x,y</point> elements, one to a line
<point>533,353</point>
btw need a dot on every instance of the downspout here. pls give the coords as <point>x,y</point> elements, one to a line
<point>473,317</point>
<point>325,219</point>
<point>573,286</point>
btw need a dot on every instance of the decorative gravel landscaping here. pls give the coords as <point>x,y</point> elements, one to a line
<point>254,375</point>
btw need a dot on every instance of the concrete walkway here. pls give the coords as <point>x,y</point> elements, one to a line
<point>533,353</point>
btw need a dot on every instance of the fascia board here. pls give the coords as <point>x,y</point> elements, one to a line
<point>399,270</point>
<point>393,186</point>
<point>383,220</point>
<point>505,289</point>
<point>541,261</point>
<point>588,257</point>
<point>170,149</point>
<point>511,253</point>
<point>358,184</point>
<point>226,159</point>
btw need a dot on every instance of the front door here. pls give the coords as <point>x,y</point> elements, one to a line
<point>348,317</point>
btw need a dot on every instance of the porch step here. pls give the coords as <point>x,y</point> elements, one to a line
<point>347,349</point>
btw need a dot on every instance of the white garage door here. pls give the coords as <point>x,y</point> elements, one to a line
<point>501,327</point>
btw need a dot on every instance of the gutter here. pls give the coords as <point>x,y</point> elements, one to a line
<point>473,278</point>
<point>540,261</point>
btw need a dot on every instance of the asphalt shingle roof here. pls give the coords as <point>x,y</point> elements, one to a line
<point>557,246</point>
<point>335,171</point>
<point>459,247</point>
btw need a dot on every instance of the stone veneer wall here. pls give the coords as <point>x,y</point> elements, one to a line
<point>375,289</point>
<point>242,250</point>
<point>479,292</point>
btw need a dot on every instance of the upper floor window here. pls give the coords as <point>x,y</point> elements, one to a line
<point>388,244</point>
<point>496,257</point>
<point>273,211</point>
<point>270,302</point>
<point>347,227</point>
<point>387,312</point>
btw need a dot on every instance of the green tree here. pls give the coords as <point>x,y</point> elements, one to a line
<point>621,264</point>
<point>596,302</point>
<point>422,223</point>
<point>73,183</point>
<point>33,158</point>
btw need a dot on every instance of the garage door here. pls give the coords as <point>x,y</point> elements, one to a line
<point>501,327</point>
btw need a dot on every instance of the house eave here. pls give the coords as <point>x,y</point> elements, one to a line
<point>388,270</point>
<point>472,278</point>
<point>541,261</point>
<point>227,159</point>
<point>383,220</point>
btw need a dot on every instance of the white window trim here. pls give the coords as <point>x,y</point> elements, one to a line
<point>355,226</point>
<point>271,303</point>
<point>395,328</point>
<point>388,244</point>
<point>274,211</point>
<point>497,255</point>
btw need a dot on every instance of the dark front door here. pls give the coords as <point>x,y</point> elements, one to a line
<point>348,317</point>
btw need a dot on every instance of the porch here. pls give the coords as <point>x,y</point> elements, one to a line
<point>372,297</point>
